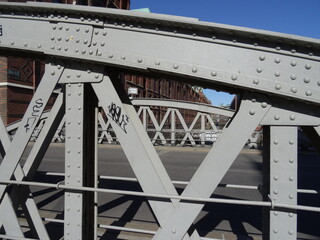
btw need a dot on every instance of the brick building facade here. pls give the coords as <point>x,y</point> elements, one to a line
<point>19,77</point>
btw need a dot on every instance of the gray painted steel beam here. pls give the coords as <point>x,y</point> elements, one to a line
<point>230,58</point>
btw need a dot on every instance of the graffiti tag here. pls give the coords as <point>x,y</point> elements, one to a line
<point>115,113</point>
<point>35,114</point>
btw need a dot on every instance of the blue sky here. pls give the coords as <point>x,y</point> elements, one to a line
<point>298,17</point>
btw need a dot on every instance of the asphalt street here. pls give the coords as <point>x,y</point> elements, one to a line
<point>215,220</point>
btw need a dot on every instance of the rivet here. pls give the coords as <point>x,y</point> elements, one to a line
<point>78,180</point>
<point>275,191</point>
<point>97,20</point>
<point>290,214</point>
<point>78,166</point>
<point>96,75</point>
<point>264,104</point>
<point>53,72</point>
<point>275,142</point>
<point>293,77</point>
<point>96,32</point>
<point>308,66</point>
<point>67,28</point>
<point>68,167</point>
<point>293,50</point>
<point>214,74</point>
<point>306,80</point>
<point>294,90</point>
<point>175,66</point>
<point>291,142</point>
<point>310,53</point>
<point>85,41</point>
<point>86,30</point>
<point>262,57</point>
<point>256,44</point>
<point>60,27</point>
<point>291,178</point>
<point>104,33</point>
<point>277,74</point>
<point>308,93</point>
<point>66,17</point>
<point>78,75</point>
<point>275,213</point>
<point>275,230</point>
<point>69,137</point>
<point>139,60</point>
<point>79,94</point>
<point>79,108</point>
<point>293,63</point>
<point>110,55</point>
<point>252,112</point>
<point>83,51</point>
<point>291,160</point>
<point>318,83</point>
<point>275,178</point>
<point>278,48</point>
<point>291,232</point>
<point>52,47</point>
<point>69,108</point>
<point>234,77</point>
<point>102,44</point>
<point>79,123</point>
<point>94,43</point>
<point>90,52</point>
<point>123,57</point>
<point>157,63</point>
<point>276,159</point>
<point>79,151</point>
<point>77,29</point>
<point>259,70</point>
<point>68,223</point>
<point>99,53</point>
<point>68,193</point>
<point>66,48</point>
<point>194,34</point>
<point>12,42</point>
<point>79,137</point>
<point>292,117</point>
<point>278,86</point>
<point>25,44</point>
<point>59,48</point>
<point>68,209</point>
<point>194,69</point>
<point>76,50</point>
<point>68,233</point>
<point>77,40</point>
<point>173,230</point>
<point>276,117</point>
<point>277,60</point>
<point>54,27</point>
<point>78,195</point>
<point>291,196</point>
<point>68,151</point>
<point>256,81</point>
<point>52,38</point>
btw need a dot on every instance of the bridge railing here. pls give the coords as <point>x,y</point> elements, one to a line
<point>85,49</point>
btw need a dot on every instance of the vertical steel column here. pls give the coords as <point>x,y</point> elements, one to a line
<point>173,127</point>
<point>79,161</point>
<point>280,181</point>
<point>203,129</point>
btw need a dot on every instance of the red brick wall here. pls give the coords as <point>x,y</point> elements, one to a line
<point>3,89</point>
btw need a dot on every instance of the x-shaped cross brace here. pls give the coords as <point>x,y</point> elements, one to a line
<point>176,217</point>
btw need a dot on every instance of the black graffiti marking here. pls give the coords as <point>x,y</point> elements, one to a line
<point>115,113</point>
<point>35,114</point>
<point>0,30</point>
<point>36,107</point>
<point>30,122</point>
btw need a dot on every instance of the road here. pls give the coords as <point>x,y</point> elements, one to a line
<point>215,220</point>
